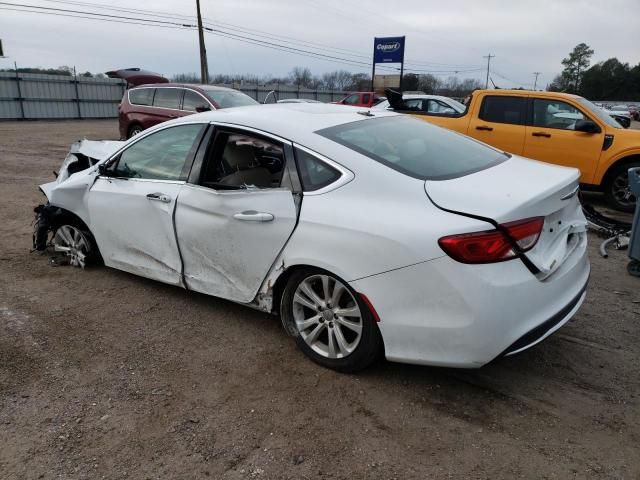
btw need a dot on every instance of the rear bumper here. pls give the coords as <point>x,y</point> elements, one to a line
<point>450,314</point>
<point>542,331</point>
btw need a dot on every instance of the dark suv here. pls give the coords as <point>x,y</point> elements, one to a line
<point>147,105</point>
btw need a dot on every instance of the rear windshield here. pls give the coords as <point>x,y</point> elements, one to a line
<point>229,98</point>
<point>415,147</point>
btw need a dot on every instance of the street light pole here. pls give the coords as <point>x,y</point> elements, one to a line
<point>204,69</point>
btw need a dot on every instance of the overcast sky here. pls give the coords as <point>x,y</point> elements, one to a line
<point>524,35</point>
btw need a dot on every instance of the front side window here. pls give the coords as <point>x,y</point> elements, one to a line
<point>192,101</point>
<point>167,98</point>
<point>141,96</point>
<point>240,161</point>
<point>503,109</point>
<point>414,147</point>
<point>413,104</point>
<point>598,112</point>
<point>159,156</point>
<point>315,174</point>
<point>366,98</point>
<point>555,114</point>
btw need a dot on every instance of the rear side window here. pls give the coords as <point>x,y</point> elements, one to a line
<point>193,100</point>
<point>315,174</point>
<point>141,96</point>
<point>167,98</point>
<point>415,147</point>
<point>503,109</point>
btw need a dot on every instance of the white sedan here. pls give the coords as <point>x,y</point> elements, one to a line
<point>371,233</point>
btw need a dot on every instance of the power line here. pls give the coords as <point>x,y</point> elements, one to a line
<point>254,32</point>
<point>172,24</point>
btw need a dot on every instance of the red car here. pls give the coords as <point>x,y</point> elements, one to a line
<point>361,99</point>
<point>147,105</point>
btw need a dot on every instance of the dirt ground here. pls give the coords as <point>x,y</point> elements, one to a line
<point>108,375</point>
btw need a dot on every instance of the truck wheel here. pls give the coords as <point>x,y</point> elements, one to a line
<point>617,191</point>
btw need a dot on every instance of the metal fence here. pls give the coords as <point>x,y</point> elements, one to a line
<point>32,96</point>
<point>41,96</point>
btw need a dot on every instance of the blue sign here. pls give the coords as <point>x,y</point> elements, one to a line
<point>388,50</point>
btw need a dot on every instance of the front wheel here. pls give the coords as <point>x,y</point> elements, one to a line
<point>75,245</point>
<point>332,324</point>
<point>134,130</point>
<point>617,191</point>
<point>633,267</point>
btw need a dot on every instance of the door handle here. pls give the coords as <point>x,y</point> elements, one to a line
<point>484,127</point>
<point>253,216</point>
<point>159,197</point>
<point>541,134</point>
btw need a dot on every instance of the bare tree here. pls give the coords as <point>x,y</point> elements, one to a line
<point>301,76</point>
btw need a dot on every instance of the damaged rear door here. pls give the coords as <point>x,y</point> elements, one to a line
<point>236,213</point>
<point>132,203</point>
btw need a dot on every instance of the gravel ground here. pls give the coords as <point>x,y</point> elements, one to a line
<point>108,375</point>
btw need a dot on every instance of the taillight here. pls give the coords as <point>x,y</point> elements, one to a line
<point>493,245</point>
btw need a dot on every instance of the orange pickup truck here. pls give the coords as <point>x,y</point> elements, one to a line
<point>552,127</point>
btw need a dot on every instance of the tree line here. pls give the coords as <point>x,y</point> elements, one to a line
<point>607,80</point>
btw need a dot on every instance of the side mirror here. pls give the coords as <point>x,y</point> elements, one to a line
<point>203,108</point>
<point>586,126</point>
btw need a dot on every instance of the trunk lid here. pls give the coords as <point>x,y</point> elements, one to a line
<point>518,189</point>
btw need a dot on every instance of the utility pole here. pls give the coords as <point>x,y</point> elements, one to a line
<point>535,82</point>
<point>204,69</point>
<point>488,57</point>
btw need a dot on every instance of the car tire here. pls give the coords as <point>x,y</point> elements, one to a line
<point>616,188</point>
<point>335,329</point>
<point>134,130</point>
<point>76,245</point>
<point>633,267</point>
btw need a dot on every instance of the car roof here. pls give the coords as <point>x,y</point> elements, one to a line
<point>292,121</point>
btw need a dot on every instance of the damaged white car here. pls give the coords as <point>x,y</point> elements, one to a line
<point>369,233</point>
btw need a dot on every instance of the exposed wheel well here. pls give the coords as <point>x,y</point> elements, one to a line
<point>63,216</point>
<point>131,126</point>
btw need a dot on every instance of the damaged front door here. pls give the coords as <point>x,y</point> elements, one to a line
<point>131,206</point>
<point>237,216</point>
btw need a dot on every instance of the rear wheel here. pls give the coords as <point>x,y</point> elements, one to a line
<point>333,326</point>
<point>617,191</point>
<point>134,130</point>
<point>75,245</point>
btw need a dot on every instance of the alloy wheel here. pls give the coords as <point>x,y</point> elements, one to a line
<point>621,191</point>
<point>73,243</point>
<point>327,316</point>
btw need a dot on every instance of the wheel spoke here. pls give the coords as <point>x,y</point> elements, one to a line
<point>338,290</point>
<point>332,343</point>
<point>343,346</point>
<point>308,291</point>
<point>353,326</point>
<point>325,288</point>
<point>65,236</point>
<point>297,298</point>
<point>61,248</point>
<point>315,333</point>
<point>348,312</point>
<point>304,324</point>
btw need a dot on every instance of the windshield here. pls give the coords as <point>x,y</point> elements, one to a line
<point>598,112</point>
<point>415,147</point>
<point>229,98</point>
